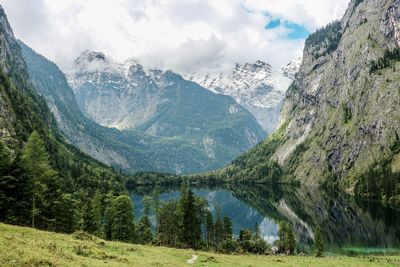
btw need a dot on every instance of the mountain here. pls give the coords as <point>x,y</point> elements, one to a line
<point>291,69</point>
<point>256,86</point>
<point>188,128</point>
<point>340,122</point>
<point>107,145</point>
<point>44,180</point>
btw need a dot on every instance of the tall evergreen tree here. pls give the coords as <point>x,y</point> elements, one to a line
<point>290,242</point>
<point>191,221</point>
<point>122,227</point>
<point>147,203</point>
<point>218,228</point>
<point>144,233</point>
<point>156,204</point>
<point>228,231</point>
<point>94,214</point>
<point>318,242</point>
<point>36,164</point>
<point>209,228</point>
<point>5,160</point>
<point>169,229</point>
<point>282,234</point>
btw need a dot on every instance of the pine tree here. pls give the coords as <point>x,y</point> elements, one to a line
<point>318,242</point>
<point>282,237</point>
<point>93,218</point>
<point>191,222</point>
<point>257,231</point>
<point>169,229</point>
<point>122,227</point>
<point>147,203</point>
<point>218,229</point>
<point>245,240</point>
<point>36,164</point>
<point>156,204</point>
<point>5,160</point>
<point>290,242</point>
<point>144,233</point>
<point>228,232</point>
<point>209,228</point>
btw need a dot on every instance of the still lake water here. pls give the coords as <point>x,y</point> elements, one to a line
<point>349,225</point>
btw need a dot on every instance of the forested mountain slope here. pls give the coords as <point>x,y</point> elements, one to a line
<point>184,127</point>
<point>44,181</point>
<point>192,123</point>
<point>340,123</point>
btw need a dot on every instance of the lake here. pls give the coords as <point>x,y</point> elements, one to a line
<point>350,226</point>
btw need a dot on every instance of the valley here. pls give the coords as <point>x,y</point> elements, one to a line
<point>136,157</point>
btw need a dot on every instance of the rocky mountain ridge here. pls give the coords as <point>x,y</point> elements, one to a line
<point>257,86</point>
<point>339,125</point>
<point>180,116</point>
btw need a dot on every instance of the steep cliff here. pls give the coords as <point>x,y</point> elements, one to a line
<point>340,121</point>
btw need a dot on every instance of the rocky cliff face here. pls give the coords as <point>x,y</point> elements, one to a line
<point>340,122</point>
<point>256,86</point>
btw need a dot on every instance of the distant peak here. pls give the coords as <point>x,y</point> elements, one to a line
<point>90,56</point>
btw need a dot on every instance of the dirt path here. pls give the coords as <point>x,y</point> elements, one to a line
<point>193,259</point>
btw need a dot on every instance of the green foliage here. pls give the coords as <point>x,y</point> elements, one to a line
<point>257,165</point>
<point>191,220</point>
<point>169,230</point>
<point>347,114</point>
<point>252,242</point>
<point>389,59</point>
<point>379,182</point>
<point>144,233</point>
<point>318,242</point>
<point>326,38</point>
<point>122,227</point>
<point>41,176</point>
<point>209,227</point>
<point>228,231</point>
<point>286,243</point>
<point>5,160</point>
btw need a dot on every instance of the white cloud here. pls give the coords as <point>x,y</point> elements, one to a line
<point>183,35</point>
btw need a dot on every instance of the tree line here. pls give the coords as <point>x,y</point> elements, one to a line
<point>33,194</point>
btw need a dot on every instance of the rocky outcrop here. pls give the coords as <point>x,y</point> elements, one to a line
<point>347,115</point>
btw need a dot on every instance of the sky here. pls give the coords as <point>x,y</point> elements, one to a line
<point>183,35</point>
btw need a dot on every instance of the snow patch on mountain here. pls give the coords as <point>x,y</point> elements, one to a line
<point>257,86</point>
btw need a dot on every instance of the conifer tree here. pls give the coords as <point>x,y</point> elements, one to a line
<point>144,233</point>
<point>290,242</point>
<point>228,231</point>
<point>282,233</point>
<point>191,221</point>
<point>5,160</point>
<point>169,229</point>
<point>36,164</point>
<point>122,227</point>
<point>318,242</point>
<point>209,228</point>
<point>218,228</point>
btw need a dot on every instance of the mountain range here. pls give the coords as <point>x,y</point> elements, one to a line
<point>140,120</point>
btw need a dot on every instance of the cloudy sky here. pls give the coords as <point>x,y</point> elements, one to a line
<point>183,35</point>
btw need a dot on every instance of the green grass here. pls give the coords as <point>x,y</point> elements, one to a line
<point>20,246</point>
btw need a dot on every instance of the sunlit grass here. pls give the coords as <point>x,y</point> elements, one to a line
<point>21,246</point>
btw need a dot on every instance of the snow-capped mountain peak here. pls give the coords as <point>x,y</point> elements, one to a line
<point>292,68</point>
<point>257,86</point>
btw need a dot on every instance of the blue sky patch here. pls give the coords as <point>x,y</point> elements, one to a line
<point>296,31</point>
